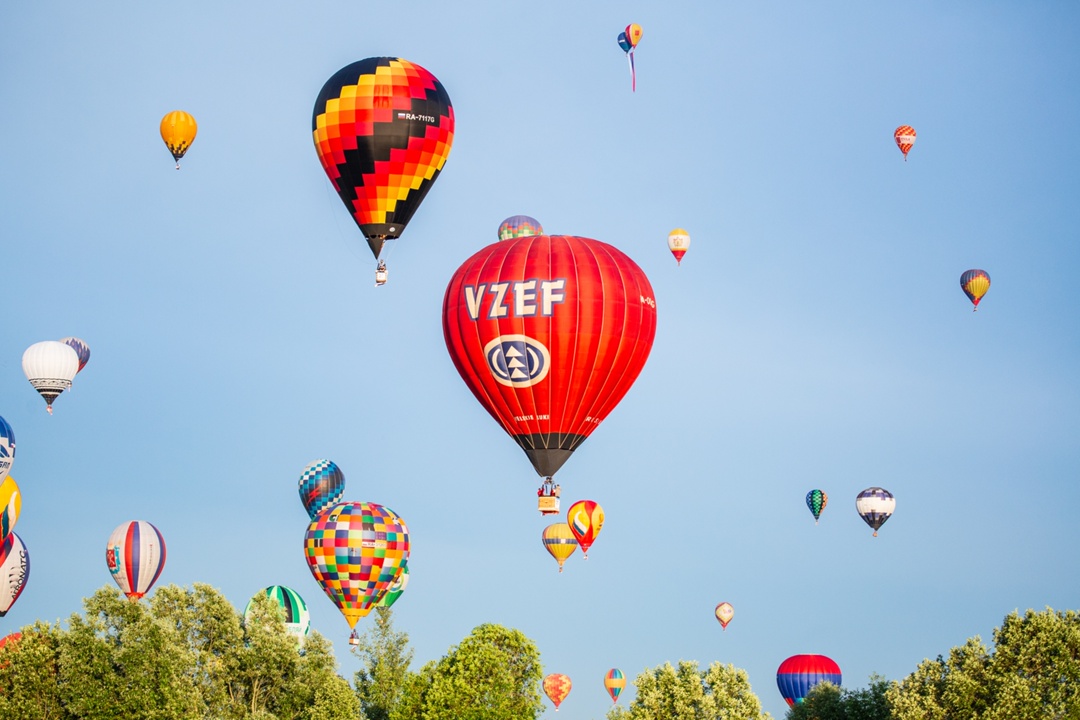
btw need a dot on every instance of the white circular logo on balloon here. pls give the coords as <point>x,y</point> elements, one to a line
<point>517,361</point>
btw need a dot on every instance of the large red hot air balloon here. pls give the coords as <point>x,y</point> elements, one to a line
<point>383,128</point>
<point>549,333</point>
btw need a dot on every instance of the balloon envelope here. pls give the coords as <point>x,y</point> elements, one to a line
<point>383,128</point>
<point>799,673</point>
<point>678,242</point>
<point>975,283</point>
<point>559,541</point>
<point>724,613</point>
<point>875,506</point>
<point>178,130</point>
<point>614,682</point>
<point>633,34</point>
<point>549,333</point>
<point>816,500</point>
<point>293,609</point>
<point>14,571</point>
<point>519,226</point>
<point>905,138</point>
<point>321,485</point>
<point>557,687</point>
<point>135,556</point>
<point>396,588</point>
<point>10,506</point>
<point>354,551</point>
<point>50,367</point>
<point>585,518</point>
<point>81,349</point>
<point>7,448</point>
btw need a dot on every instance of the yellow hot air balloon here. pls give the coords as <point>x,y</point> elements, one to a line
<point>178,130</point>
<point>10,507</point>
<point>559,541</point>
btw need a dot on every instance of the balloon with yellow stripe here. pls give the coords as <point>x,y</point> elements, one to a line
<point>975,283</point>
<point>559,541</point>
<point>178,130</point>
<point>585,518</point>
<point>10,507</point>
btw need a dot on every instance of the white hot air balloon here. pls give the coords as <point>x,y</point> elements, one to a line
<point>875,506</point>
<point>135,556</point>
<point>14,571</point>
<point>50,367</point>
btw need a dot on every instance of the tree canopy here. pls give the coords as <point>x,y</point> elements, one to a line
<point>722,692</point>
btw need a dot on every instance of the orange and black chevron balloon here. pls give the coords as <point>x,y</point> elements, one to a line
<point>383,128</point>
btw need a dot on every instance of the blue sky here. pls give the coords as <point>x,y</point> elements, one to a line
<point>814,336</point>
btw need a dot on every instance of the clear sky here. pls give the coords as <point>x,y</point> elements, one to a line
<point>814,336</point>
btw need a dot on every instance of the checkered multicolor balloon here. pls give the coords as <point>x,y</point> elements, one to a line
<point>354,551</point>
<point>321,485</point>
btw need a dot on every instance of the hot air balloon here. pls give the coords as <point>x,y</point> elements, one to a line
<point>50,367</point>
<point>13,639</point>
<point>519,226</point>
<point>321,485</point>
<point>383,128</point>
<point>975,283</point>
<point>135,556</point>
<point>10,506</point>
<point>293,608</point>
<point>875,506</point>
<point>905,138</point>
<point>7,448</point>
<point>614,682</point>
<point>354,551</point>
<point>799,673</point>
<point>549,333</point>
<point>724,613</point>
<point>559,541</point>
<point>628,41</point>
<point>178,130</point>
<point>816,500</point>
<point>556,687</point>
<point>81,349</point>
<point>14,571</point>
<point>585,518</point>
<point>396,588</point>
<point>678,242</point>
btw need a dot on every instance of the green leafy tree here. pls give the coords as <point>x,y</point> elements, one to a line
<point>493,674</point>
<point>722,692</point>
<point>386,657</point>
<point>29,675</point>
<point>120,661</point>
<point>1033,673</point>
<point>826,701</point>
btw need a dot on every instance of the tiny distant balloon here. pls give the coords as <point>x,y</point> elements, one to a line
<point>10,507</point>
<point>724,613</point>
<point>816,500</point>
<point>628,40</point>
<point>50,367</point>
<point>178,130</point>
<point>321,486</point>
<point>293,608</point>
<point>14,571</point>
<point>678,242</point>
<point>559,541</point>
<point>614,682</point>
<point>905,138</point>
<point>975,283</point>
<point>799,673</point>
<point>135,556</point>
<point>81,349</point>
<point>585,518</point>
<point>875,506</point>
<point>557,687</point>
<point>7,448</point>
<point>519,226</point>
